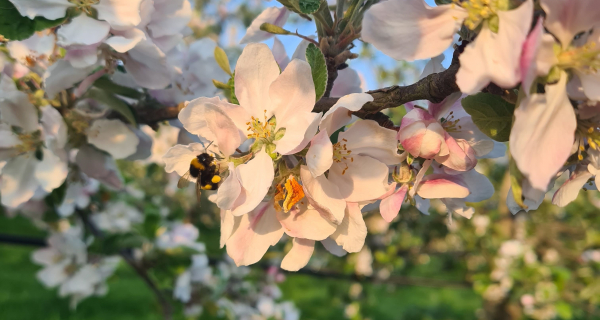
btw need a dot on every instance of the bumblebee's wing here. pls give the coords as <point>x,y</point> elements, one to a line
<point>198,190</point>
<point>184,181</point>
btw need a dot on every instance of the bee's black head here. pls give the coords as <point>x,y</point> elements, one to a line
<point>205,158</point>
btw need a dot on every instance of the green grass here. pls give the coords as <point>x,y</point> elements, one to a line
<point>22,297</point>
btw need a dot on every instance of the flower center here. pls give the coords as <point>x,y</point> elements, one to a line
<point>585,58</point>
<point>450,124</point>
<point>341,153</point>
<point>262,129</point>
<point>291,195</point>
<point>84,5</point>
<point>590,133</point>
<point>478,11</point>
<point>29,142</point>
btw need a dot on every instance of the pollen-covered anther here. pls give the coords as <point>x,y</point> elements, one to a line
<point>293,193</point>
<point>260,129</point>
<point>477,11</point>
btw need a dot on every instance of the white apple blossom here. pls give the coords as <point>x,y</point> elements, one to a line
<point>117,217</point>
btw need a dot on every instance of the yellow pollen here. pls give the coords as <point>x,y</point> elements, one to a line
<point>477,11</point>
<point>207,187</point>
<point>259,129</point>
<point>294,193</point>
<point>342,154</point>
<point>585,58</point>
<point>84,5</point>
<point>216,179</point>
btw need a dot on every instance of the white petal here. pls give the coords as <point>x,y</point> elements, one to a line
<point>279,53</point>
<point>411,30</point>
<point>127,40</point>
<point>543,133</point>
<point>148,66</point>
<point>256,69</point>
<point>18,182</point>
<point>459,207</point>
<point>252,237</point>
<point>205,117</point>
<point>256,177</point>
<point>348,81</point>
<point>62,75</point>
<point>364,179</point>
<point>100,166</point>
<point>170,17</point>
<point>53,275</point>
<point>51,172</point>
<point>565,19</point>
<point>39,46</point>
<point>49,9</point>
<point>306,222</point>
<point>82,57</point>
<point>319,157</point>
<point>178,158</point>
<point>323,195</point>
<point>333,247</point>
<point>228,224</point>
<point>300,131</point>
<point>273,15</point>
<point>114,137</point>
<point>434,65</point>
<point>229,190</point>
<point>120,14</point>
<point>299,255</point>
<point>339,115</point>
<point>82,30</point>
<point>15,107</point>
<point>569,191</point>
<point>479,185</point>
<point>55,128</point>
<point>352,232</point>
<point>292,93</point>
<point>368,138</point>
<point>495,57</point>
<point>590,83</point>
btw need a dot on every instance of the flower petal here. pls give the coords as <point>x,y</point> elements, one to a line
<point>299,255</point>
<point>495,57</point>
<point>319,157</point>
<point>170,17</point>
<point>55,128</point>
<point>255,233</point>
<point>18,183</point>
<point>352,232</point>
<point>229,190</point>
<point>62,75</point>
<point>256,69</point>
<point>82,30</point>
<point>461,156</point>
<point>120,14</point>
<point>543,134</point>
<point>411,30</point>
<point>279,53</point>
<point>590,82</point>
<point>148,66</point>
<point>348,81</point>
<point>51,172</point>
<point>434,65</point>
<point>569,190</point>
<point>333,247</point>
<point>368,138</point>
<point>438,185</point>
<point>363,179</point>
<point>323,195</point>
<point>206,118</point>
<point>340,113</point>
<point>390,206</point>
<point>114,137</point>
<point>275,16</point>
<point>565,19</point>
<point>179,157</point>
<point>100,166</point>
<point>15,107</point>
<point>256,177</point>
<point>126,40</point>
<point>537,57</point>
<point>299,132</point>
<point>49,9</point>
<point>228,224</point>
<point>292,93</point>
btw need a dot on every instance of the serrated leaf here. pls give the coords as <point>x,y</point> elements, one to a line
<point>309,6</point>
<point>112,102</point>
<point>491,114</point>
<point>222,60</point>
<point>106,84</point>
<point>318,66</point>
<point>13,26</point>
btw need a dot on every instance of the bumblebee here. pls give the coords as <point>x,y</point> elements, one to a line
<point>206,172</point>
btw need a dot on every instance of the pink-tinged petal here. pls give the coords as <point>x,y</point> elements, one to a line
<point>481,144</point>
<point>368,138</point>
<point>179,157</point>
<point>256,177</point>
<point>565,19</point>
<point>82,56</point>
<point>341,113</point>
<point>422,140</point>
<point>18,183</point>
<point>495,57</point>
<point>51,172</point>
<point>100,166</point>
<point>352,232</point>
<point>49,9</point>
<point>126,40</point>
<point>363,179</point>
<point>229,190</point>
<point>537,57</point>
<point>437,186</point>
<point>170,17</point>
<point>590,82</point>
<point>461,155</point>
<point>411,30</point>
<point>452,103</point>
<point>390,206</point>
<point>273,15</point>
<point>114,137</point>
<point>333,248</point>
<point>417,115</point>
<point>120,14</point>
<point>569,190</point>
<point>83,87</point>
<point>434,65</point>
<point>304,127</point>
<point>255,71</point>
<point>82,30</point>
<point>228,224</point>
<point>299,255</point>
<point>319,157</point>
<point>347,82</point>
<point>306,222</point>
<point>255,233</point>
<point>205,117</point>
<point>323,195</point>
<point>293,92</point>
<point>279,53</point>
<point>543,134</point>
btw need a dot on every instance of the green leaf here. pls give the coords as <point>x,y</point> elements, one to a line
<point>491,114</point>
<point>564,310</point>
<point>273,29</point>
<point>222,60</point>
<point>309,6</point>
<point>318,67</point>
<point>112,102</point>
<point>516,180</point>
<point>106,84</point>
<point>13,26</point>
<point>114,243</point>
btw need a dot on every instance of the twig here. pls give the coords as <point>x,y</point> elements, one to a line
<point>166,308</point>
